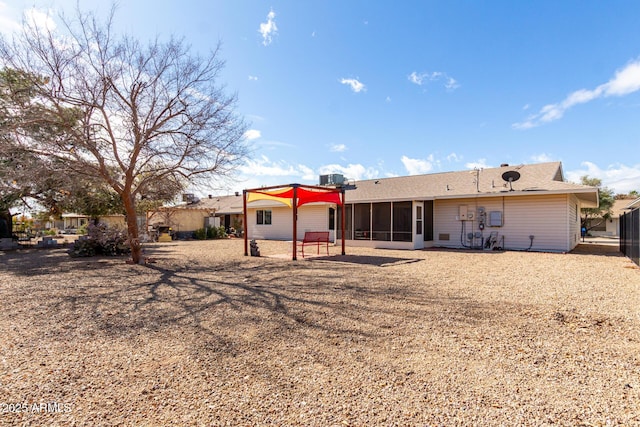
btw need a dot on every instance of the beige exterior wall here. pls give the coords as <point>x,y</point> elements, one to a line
<point>180,220</point>
<point>545,217</point>
<point>113,221</point>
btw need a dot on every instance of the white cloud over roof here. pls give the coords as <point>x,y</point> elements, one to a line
<point>417,166</point>
<point>619,177</point>
<point>624,82</point>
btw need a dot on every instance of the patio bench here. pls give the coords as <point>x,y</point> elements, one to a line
<point>315,238</point>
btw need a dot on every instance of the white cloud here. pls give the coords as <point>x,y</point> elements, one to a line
<point>308,174</point>
<point>268,29</point>
<point>625,81</point>
<point>356,86</point>
<point>338,148</point>
<point>619,177</point>
<point>542,158</point>
<point>417,166</point>
<point>422,78</point>
<point>387,99</point>
<point>253,78</point>
<point>252,134</point>
<point>12,22</point>
<point>263,166</point>
<point>39,19</point>
<point>479,164</point>
<point>8,24</point>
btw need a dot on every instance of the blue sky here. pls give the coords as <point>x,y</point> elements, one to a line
<point>376,89</point>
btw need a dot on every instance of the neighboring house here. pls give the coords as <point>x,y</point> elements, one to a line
<point>537,210</point>
<point>184,219</point>
<point>630,231</point>
<point>609,227</point>
<point>72,222</point>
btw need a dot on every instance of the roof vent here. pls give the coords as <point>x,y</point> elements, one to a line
<point>504,165</point>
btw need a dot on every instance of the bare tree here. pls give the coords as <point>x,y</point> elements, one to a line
<point>131,114</point>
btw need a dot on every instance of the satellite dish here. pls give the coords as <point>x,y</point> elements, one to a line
<point>511,176</point>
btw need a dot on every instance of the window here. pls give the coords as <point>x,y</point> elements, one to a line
<point>348,234</point>
<point>362,221</point>
<point>428,220</point>
<point>418,219</point>
<point>332,219</point>
<point>381,213</point>
<point>402,222</point>
<point>263,217</point>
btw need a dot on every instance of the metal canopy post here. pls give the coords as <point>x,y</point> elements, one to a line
<point>246,224</point>
<point>295,223</point>
<point>344,209</point>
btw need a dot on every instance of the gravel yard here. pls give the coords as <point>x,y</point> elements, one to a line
<point>206,336</point>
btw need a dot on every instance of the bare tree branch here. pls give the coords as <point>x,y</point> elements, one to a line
<point>146,112</point>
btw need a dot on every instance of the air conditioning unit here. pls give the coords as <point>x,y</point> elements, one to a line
<point>332,179</point>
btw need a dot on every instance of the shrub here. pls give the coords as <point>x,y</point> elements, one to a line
<point>210,233</point>
<point>200,234</point>
<point>101,240</point>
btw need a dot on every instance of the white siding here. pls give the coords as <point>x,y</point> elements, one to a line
<point>544,217</point>
<point>573,219</point>
<point>281,227</point>
<point>310,218</point>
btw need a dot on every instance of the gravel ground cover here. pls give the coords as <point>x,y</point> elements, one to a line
<point>205,336</point>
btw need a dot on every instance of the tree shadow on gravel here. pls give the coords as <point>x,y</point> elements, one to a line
<point>241,303</point>
<point>227,306</point>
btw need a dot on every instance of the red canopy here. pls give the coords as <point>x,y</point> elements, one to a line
<point>294,195</point>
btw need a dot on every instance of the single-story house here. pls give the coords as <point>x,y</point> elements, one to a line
<point>71,222</point>
<point>610,227</point>
<point>193,214</point>
<point>523,207</point>
<point>630,231</point>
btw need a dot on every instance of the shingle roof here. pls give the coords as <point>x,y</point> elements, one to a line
<point>536,178</point>
<point>622,206</point>
<point>218,204</point>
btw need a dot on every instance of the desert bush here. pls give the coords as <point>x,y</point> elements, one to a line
<point>210,232</point>
<point>101,240</point>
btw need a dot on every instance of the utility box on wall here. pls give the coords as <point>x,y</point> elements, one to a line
<point>495,219</point>
<point>462,212</point>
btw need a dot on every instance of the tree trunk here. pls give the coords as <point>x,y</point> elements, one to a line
<point>132,229</point>
<point>6,224</point>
